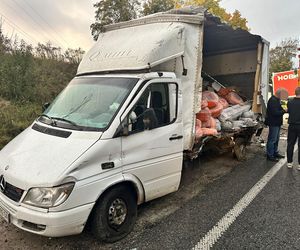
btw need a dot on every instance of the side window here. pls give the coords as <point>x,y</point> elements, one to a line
<point>157,107</point>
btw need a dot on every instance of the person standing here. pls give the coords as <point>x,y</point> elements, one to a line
<point>294,128</point>
<point>274,120</point>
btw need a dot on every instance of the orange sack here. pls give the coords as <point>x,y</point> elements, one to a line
<point>212,104</point>
<point>198,123</point>
<point>223,92</point>
<point>204,115</point>
<point>209,131</point>
<point>213,123</point>
<point>204,104</point>
<point>216,111</point>
<point>233,98</point>
<point>199,132</point>
<point>207,124</point>
<point>210,96</point>
<point>224,103</point>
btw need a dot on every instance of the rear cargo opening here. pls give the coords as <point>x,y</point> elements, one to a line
<point>230,56</point>
<point>234,72</point>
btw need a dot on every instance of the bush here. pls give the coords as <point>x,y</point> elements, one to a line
<point>15,117</point>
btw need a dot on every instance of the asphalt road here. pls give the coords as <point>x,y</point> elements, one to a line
<point>271,221</point>
<point>208,191</point>
<point>266,217</point>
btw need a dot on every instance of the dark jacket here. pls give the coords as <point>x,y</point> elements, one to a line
<point>294,111</point>
<point>274,112</point>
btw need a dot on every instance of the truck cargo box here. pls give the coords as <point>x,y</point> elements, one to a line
<point>187,42</point>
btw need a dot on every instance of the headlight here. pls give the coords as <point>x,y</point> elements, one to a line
<point>48,197</point>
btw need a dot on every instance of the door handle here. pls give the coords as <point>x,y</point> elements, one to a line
<point>178,137</point>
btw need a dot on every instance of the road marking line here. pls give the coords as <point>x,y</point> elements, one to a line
<point>216,232</point>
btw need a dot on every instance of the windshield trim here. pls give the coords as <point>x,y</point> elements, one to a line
<point>65,125</point>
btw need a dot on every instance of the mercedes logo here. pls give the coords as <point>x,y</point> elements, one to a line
<point>2,184</point>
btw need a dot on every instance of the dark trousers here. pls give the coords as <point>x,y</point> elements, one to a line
<point>273,140</point>
<point>293,135</point>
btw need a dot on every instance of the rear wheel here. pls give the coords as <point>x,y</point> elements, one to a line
<point>239,149</point>
<point>114,215</point>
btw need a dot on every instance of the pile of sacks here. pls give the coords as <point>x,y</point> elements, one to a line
<point>218,110</point>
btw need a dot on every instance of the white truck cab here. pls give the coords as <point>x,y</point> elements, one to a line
<point>93,141</point>
<point>115,136</point>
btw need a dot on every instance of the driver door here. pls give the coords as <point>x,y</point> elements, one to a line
<point>153,149</point>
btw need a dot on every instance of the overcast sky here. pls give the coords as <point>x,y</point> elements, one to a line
<point>272,19</point>
<point>66,22</point>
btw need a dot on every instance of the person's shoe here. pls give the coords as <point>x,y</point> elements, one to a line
<point>290,165</point>
<point>298,168</point>
<point>279,156</point>
<point>271,158</point>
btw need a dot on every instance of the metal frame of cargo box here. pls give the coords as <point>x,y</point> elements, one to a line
<point>234,139</point>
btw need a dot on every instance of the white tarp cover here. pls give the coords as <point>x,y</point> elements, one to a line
<point>134,48</point>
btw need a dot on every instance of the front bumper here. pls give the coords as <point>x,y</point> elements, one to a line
<point>51,224</point>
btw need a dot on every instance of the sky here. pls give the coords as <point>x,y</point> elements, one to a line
<point>66,22</point>
<point>274,20</point>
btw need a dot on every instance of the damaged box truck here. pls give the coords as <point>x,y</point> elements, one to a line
<point>117,135</point>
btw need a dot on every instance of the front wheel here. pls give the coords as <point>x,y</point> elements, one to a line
<point>114,215</point>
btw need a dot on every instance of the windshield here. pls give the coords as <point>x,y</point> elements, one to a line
<point>88,103</point>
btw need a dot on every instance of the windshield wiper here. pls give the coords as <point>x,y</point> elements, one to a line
<point>65,120</point>
<point>85,100</point>
<point>54,119</point>
<point>52,122</point>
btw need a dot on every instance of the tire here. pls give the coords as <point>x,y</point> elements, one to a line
<point>114,215</point>
<point>239,149</point>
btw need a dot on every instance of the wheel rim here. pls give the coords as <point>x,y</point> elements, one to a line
<point>117,212</point>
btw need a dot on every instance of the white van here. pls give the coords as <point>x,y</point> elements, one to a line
<point>115,137</point>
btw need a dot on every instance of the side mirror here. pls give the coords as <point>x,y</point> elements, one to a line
<point>125,131</point>
<point>45,106</point>
<point>122,130</point>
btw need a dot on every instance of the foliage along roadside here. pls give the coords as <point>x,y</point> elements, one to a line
<point>30,77</point>
<point>15,117</point>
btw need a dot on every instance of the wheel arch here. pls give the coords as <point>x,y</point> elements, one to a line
<point>132,183</point>
<point>129,181</point>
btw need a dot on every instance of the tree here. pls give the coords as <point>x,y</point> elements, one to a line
<point>112,11</point>
<point>48,51</point>
<point>74,56</point>
<point>4,42</point>
<point>213,6</point>
<point>237,21</point>
<point>281,57</point>
<point>154,6</point>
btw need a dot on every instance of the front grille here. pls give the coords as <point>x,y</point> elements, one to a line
<point>13,192</point>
